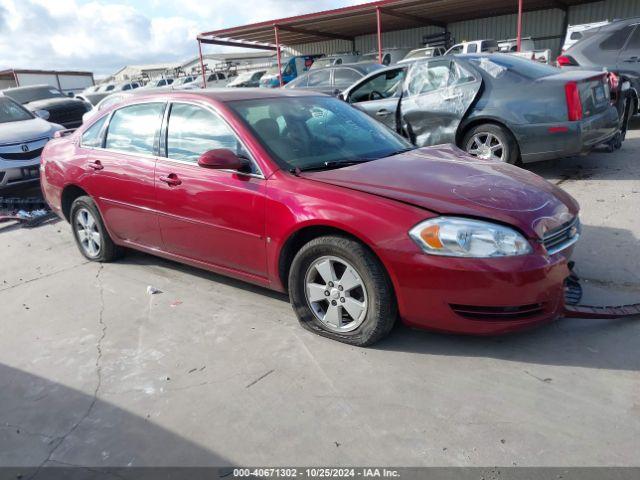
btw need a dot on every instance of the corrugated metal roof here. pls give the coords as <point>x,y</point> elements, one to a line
<point>350,22</point>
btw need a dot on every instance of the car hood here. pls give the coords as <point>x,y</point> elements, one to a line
<point>446,180</point>
<point>26,130</point>
<point>55,103</point>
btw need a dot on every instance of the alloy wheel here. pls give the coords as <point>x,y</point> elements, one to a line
<point>487,146</point>
<point>336,294</point>
<point>88,233</point>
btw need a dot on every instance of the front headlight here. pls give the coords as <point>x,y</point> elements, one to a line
<point>465,237</point>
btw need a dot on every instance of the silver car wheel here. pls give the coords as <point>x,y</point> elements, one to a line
<point>88,234</point>
<point>486,146</point>
<point>336,294</point>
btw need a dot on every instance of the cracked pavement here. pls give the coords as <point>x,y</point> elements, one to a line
<point>96,372</point>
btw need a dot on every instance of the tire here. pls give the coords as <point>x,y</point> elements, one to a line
<point>509,151</point>
<point>89,232</point>
<point>365,313</point>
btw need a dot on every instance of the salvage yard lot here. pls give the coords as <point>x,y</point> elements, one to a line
<point>211,371</point>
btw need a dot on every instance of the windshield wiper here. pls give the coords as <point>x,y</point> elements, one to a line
<point>331,165</point>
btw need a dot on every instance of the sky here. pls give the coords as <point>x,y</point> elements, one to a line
<point>104,35</point>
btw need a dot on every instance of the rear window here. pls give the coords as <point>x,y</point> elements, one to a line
<point>616,40</point>
<point>497,65</point>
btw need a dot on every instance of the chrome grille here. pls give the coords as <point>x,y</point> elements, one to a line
<point>562,237</point>
<point>27,150</point>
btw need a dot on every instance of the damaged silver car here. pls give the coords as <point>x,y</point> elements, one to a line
<point>494,106</point>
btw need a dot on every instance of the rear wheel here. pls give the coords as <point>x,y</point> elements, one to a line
<point>339,289</point>
<point>90,233</point>
<point>491,142</point>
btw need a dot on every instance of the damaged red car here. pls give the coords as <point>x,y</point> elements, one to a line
<point>301,193</point>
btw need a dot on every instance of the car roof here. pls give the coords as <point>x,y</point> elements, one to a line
<point>223,94</point>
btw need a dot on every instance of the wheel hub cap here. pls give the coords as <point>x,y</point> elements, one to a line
<point>87,231</point>
<point>336,294</point>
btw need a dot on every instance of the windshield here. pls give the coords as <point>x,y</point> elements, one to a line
<point>422,53</point>
<point>32,94</point>
<point>309,133</point>
<point>323,62</point>
<point>10,111</point>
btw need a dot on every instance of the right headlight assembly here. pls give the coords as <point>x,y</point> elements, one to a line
<point>467,237</point>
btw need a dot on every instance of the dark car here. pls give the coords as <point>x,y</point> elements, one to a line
<point>62,109</point>
<point>332,80</point>
<point>615,47</point>
<point>297,191</point>
<point>494,106</point>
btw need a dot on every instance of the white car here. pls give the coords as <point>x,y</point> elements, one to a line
<point>476,46</point>
<point>214,80</point>
<point>419,53</point>
<point>23,135</point>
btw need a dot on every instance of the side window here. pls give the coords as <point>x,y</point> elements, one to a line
<point>456,50</point>
<point>386,60</point>
<point>472,48</point>
<point>127,87</point>
<point>345,76</point>
<point>322,77</point>
<point>428,77</point>
<point>634,42</point>
<point>92,138</point>
<point>383,85</point>
<point>135,128</point>
<point>194,130</point>
<point>338,61</point>
<point>617,39</point>
<point>460,75</point>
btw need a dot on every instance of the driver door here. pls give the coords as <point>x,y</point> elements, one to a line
<point>216,217</point>
<point>378,96</point>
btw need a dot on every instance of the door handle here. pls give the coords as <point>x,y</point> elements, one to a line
<point>383,112</point>
<point>172,180</point>
<point>97,165</point>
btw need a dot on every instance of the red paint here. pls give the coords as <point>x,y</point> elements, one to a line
<point>237,225</point>
<point>565,61</point>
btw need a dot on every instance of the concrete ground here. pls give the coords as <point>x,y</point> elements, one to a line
<point>95,372</point>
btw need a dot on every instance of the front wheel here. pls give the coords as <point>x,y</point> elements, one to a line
<point>339,289</point>
<point>491,142</point>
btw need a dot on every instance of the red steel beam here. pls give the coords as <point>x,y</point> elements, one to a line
<point>519,38</point>
<point>237,43</point>
<point>204,77</point>
<point>379,22</point>
<point>278,54</point>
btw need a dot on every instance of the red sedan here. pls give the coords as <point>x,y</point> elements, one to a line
<point>300,192</point>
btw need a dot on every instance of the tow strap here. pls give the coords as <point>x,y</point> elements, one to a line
<point>572,308</point>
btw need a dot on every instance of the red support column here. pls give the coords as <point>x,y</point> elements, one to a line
<point>379,20</point>
<point>278,55</point>
<point>204,77</point>
<point>519,38</point>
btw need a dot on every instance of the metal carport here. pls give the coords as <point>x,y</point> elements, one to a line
<point>372,18</point>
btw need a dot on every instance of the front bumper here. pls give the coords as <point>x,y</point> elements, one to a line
<point>15,173</point>
<point>481,296</point>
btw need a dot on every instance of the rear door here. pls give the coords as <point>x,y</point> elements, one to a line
<point>378,95</point>
<point>435,98</point>
<point>629,58</point>
<point>211,216</point>
<point>121,171</point>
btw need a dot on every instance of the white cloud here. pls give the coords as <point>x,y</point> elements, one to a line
<point>102,36</point>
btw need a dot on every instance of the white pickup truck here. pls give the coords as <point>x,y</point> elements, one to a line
<point>527,49</point>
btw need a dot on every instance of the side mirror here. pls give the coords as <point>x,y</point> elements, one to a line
<point>341,97</point>
<point>222,159</point>
<point>336,92</point>
<point>71,94</point>
<point>43,114</point>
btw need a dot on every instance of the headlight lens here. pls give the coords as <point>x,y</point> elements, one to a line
<point>465,237</point>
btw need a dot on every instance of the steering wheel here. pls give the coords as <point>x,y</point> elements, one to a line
<point>375,95</point>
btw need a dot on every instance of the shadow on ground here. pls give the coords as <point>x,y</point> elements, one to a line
<point>45,424</point>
